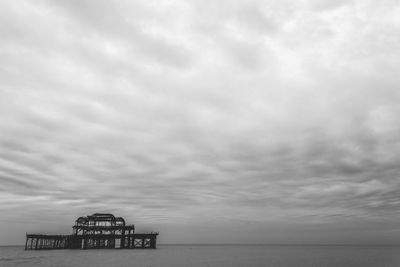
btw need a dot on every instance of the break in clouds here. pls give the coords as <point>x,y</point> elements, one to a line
<point>181,113</point>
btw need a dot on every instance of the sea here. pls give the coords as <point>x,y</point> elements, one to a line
<point>210,255</point>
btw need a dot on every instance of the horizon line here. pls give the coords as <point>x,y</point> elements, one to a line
<point>262,244</point>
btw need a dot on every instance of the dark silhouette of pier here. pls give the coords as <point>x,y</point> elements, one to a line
<point>97,231</point>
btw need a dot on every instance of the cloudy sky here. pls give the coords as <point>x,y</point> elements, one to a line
<point>209,121</point>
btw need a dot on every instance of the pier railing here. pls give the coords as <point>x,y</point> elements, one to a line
<point>91,241</point>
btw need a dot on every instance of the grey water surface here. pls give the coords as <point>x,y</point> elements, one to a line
<point>210,255</point>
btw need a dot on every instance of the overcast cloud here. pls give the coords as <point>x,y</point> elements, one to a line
<point>224,121</point>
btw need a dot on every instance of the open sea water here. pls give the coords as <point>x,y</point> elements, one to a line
<point>210,255</point>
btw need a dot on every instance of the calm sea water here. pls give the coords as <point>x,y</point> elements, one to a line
<point>213,255</point>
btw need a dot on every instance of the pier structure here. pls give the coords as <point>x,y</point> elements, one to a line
<point>97,231</point>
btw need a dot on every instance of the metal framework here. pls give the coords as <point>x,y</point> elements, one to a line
<point>97,231</point>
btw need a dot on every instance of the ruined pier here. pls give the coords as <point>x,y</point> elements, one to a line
<point>97,231</point>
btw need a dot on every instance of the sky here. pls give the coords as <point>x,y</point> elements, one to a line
<point>208,121</point>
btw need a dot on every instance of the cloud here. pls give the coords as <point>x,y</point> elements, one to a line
<point>185,113</point>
